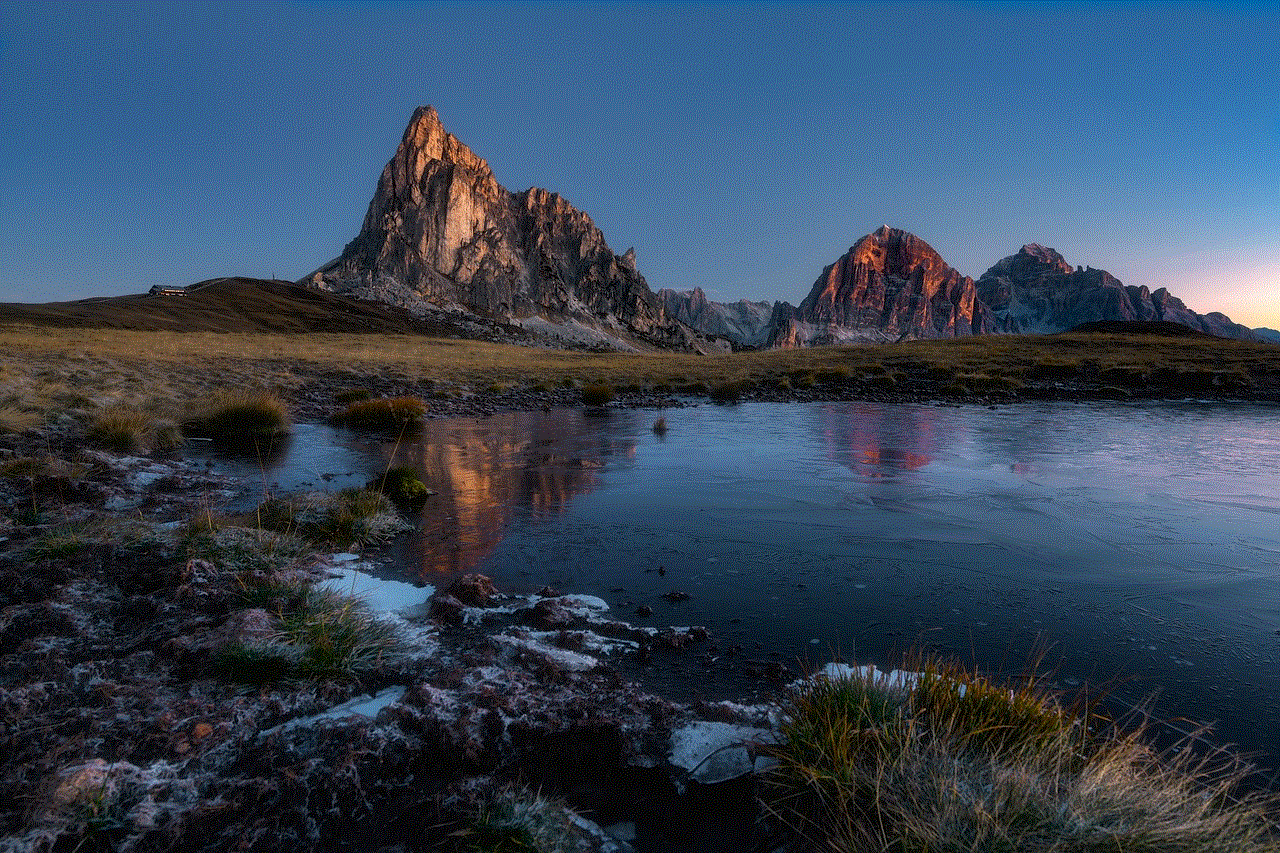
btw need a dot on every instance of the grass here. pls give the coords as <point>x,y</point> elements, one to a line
<point>52,371</point>
<point>336,635</point>
<point>130,429</point>
<point>516,820</point>
<point>597,395</point>
<point>350,517</point>
<point>323,634</point>
<point>952,761</point>
<point>240,418</point>
<point>388,414</point>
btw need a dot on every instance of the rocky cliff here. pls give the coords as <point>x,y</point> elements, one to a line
<point>889,286</point>
<point>743,323</point>
<point>1037,291</point>
<point>442,231</point>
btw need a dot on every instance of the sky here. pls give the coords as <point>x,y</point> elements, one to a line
<point>738,148</point>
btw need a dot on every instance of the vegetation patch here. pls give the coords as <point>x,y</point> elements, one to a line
<point>515,820</point>
<point>597,395</point>
<point>240,419</point>
<point>402,485</point>
<point>949,760</point>
<point>728,392</point>
<point>388,414</point>
<point>335,635</point>
<point>351,517</point>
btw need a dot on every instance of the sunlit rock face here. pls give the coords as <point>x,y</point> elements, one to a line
<point>1036,291</point>
<point>441,230</point>
<point>744,323</point>
<point>890,286</point>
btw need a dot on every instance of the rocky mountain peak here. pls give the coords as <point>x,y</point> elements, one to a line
<point>441,231</point>
<point>889,286</point>
<point>893,251</point>
<point>425,139</point>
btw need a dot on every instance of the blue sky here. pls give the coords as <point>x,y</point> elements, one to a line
<point>737,148</point>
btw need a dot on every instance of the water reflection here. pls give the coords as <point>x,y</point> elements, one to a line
<point>491,471</point>
<point>878,441</point>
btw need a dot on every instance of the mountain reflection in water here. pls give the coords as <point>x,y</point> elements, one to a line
<point>487,472</point>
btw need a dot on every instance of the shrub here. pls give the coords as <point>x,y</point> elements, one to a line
<point>240,418</point>
<point>597,395</point>
<point>387,413</point>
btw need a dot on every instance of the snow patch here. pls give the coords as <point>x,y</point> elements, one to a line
<point>718,752</point>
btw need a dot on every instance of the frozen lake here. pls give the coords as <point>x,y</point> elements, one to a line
<point>1137,546</point>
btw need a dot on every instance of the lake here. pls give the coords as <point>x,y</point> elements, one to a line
<point>1132,545</point>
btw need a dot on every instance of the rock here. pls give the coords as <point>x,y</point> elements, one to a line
<point>551,613</point>
<point>447,609</point>
<point>644,610</point>
<point>473,590</point>
<point>548,592</point>
<point>889,286</point>
<point>675,596</point>
<point>1037,291</point>
<point>441,231</point>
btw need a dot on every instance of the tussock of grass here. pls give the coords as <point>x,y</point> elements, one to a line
<point>352,517</point>
<point>352,395</point>
<point>597,395</point>
<point>956,762</point>
<point>61,543</point>
<point>240,418</point>
<point>388,414</point>
<point>336,635</point>
<point>516,820</point>
<point>728,392</point>
<point>122,429</point>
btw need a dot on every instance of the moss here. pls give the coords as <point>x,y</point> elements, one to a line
<point>402,485</point>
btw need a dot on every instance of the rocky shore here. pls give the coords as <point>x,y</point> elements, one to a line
<point>124,728</point>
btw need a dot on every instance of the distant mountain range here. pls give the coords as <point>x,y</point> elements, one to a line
<point>441,231</point>
<point>447,246</point>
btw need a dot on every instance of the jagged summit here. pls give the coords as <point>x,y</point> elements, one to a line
<point>442,231</point>
<point>889,286</point>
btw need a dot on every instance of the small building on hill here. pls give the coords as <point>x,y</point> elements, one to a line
<point>159,290</point>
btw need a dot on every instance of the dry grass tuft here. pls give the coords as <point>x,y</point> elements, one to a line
<point>237,418</point>
<point>388,414</point>
<point>952,761</point>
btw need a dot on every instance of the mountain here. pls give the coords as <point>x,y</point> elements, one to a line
<point>743,323</point>
<point>889,286</point>
<point>1271,336</point>
<point>1037,291</point>
<point>441,231</point>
